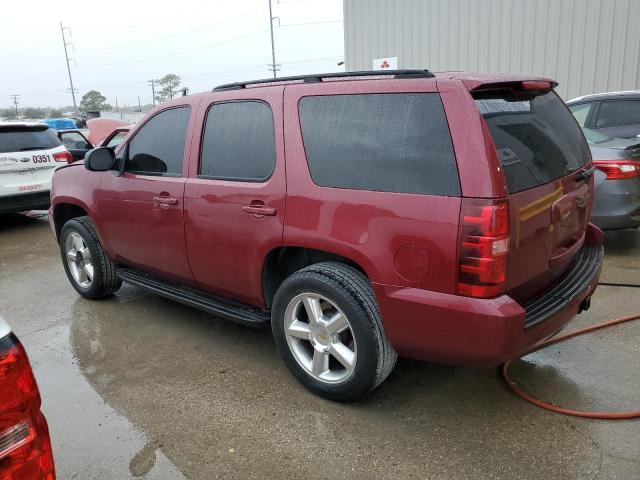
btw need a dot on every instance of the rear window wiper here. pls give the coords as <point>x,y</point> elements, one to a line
<point>584,174</point>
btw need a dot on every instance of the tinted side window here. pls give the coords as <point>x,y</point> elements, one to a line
<point>158,147</point>
<point>380,142</point>
<point>620,112</point>
<point>74,140</point>
<point>238,142</point>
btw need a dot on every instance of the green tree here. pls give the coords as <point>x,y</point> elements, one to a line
<point>55,113</point>
<point>93,100</point>
<point>32,113</point>
<point>169,86</point>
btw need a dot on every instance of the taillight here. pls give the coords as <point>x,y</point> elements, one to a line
<point>64,156</point>
<point>484,244</point>
<point>618,169</point>
<point>536,85</point>
<point>25,448</point>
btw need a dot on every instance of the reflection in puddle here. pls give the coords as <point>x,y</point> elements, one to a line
<point>218,399</point>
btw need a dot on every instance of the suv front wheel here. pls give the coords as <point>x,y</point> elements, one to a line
<point>89,269</point>
<point>327,328</point>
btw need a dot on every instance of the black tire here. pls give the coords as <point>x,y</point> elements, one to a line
<point>105,280</point>
<point>351,292</point>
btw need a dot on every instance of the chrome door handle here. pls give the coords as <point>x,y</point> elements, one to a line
<point>260,210</point>
<point>164,201</point>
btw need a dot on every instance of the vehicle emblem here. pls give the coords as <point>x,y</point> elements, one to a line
<point>25,159</point>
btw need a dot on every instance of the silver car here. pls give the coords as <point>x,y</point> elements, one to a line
<point>617,180</point>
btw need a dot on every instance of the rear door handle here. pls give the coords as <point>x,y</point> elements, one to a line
<point>165,201</point>
<point>259,210</point>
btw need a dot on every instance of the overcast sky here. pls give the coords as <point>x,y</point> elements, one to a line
<point>118,45</point>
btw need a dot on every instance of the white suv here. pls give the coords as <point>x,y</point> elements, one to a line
<point>29,154</point>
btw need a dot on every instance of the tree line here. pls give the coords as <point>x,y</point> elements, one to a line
<point>167,87</point>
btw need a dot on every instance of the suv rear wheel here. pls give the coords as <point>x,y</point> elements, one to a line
<point>327,328</point>
<point>89,269</point>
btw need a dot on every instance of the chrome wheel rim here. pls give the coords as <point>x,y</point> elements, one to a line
<point>79,260</point>
<point>320,338</point>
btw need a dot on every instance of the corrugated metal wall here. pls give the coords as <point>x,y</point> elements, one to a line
<point>588,46</point>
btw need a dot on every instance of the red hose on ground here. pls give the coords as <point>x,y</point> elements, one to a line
<point>515,388</point>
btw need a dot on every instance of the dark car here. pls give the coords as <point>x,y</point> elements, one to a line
<point>615,114</point>
<point>25,447</point>
<point>363,215</point>
<point>617,182</point>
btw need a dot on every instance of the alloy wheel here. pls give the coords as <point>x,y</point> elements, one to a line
<point>79,260</point>
<point>320,338</point>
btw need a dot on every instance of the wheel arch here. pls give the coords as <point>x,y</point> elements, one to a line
<point>66,210</point>
<point>282,261</point>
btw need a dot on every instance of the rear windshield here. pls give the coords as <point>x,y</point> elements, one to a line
<point>21,139</point>
<point>537,138</point>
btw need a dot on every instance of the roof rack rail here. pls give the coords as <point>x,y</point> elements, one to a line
<point>318,77</point>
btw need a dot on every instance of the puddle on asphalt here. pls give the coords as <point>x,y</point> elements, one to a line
<point>140,387</point>
<point>218,399</point>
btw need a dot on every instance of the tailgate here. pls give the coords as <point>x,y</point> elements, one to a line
<point>546,163</point>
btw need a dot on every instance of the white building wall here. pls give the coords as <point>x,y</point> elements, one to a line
<point>588,46</point>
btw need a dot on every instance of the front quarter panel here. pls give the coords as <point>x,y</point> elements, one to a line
<point>75,185</point>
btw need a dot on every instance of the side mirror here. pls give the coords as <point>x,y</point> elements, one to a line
<point>100,159</point>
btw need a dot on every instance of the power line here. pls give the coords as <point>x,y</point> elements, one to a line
<point>215,72</point>
<point>174,54</point>
<point>174,35</point>
<point>309,23</point>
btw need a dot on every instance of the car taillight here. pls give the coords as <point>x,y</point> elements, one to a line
<point>618,169</point>
<point>484,244</point>
<point>25,448</point>
<point>63,156</point>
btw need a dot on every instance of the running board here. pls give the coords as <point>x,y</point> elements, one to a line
<point>237,312</point>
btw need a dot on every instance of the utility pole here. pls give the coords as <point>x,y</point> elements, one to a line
<point>139,106</point>
<point>153,91</point>
<point>274,66</point>
<point>117,110</point>
<point>15,102</point>
<point>66,55</point>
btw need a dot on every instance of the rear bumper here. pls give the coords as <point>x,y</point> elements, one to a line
<point>25,201</point>
<point>465,331</point>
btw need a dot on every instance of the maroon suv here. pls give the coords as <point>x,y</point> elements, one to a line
<point>364,215</point>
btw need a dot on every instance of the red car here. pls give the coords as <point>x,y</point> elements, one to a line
<point>364,215</point>
<point>25,448</point>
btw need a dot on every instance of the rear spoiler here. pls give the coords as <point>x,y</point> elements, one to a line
<point>534,86</point>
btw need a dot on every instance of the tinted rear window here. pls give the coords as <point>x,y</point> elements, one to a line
<point>537,138</point>
<point>18,139</point>
<point>382,142</point>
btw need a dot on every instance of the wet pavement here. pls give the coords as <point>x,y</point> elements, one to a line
<point>137,386</point>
